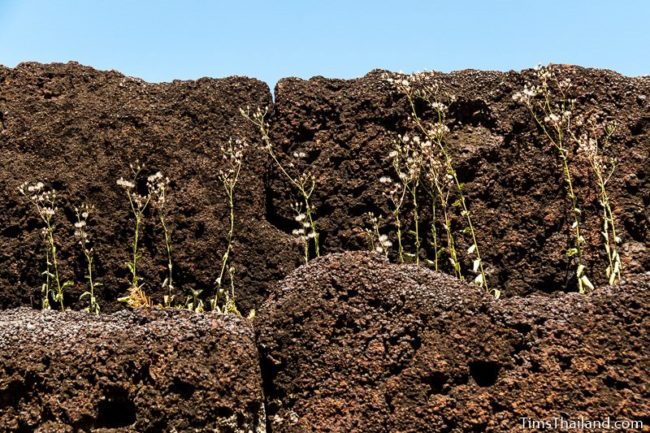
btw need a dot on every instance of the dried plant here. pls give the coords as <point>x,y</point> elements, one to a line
<point>136,297</point>
<point>552,110</point>
<point>158,188</point>
<point>377,242</point>
<point>81,233</point>
<point>44,201</point>
<point>305,183</point>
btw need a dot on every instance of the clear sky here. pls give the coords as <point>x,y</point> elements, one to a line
<point>161,40</point>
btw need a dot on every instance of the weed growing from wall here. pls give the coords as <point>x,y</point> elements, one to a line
<point>233,157</point>
<point>136,296</point>
<point>552,110</point>
<point>158,187</point>
<point>305,183</point>
<point>81,233</point>
<point>593,141</point>
<point>377,242</point>
<point>407,160</point>
<point>434,162</point>
<point>44,201</point>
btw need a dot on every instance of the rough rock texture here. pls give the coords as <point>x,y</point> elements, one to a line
<point>512,174</point>
<point>351,343</point>
<point>128,372</point>
<point>78,129</point>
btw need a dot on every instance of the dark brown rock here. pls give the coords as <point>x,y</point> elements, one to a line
<point>351,343</point>
<point>512,175</point>
<point>150,371</point>
<point>78,129</point>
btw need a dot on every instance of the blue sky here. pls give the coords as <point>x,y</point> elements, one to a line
<point>161,40</point>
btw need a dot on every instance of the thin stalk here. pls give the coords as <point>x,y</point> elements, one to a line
<point>558,143</point>
<point>55,265</point>
<point>416,221</point>
<point>452,171</point>
<point>300,185</point>
<point>168,247</point>
<point>434,232</point>
<point>47,285</point>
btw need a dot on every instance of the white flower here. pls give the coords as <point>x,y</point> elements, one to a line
<point>125,183</point>
<point>438,106</point>
<point>384,179</point>
<point>80,224</point>
<point>154,177</point>
<point>300,217</point>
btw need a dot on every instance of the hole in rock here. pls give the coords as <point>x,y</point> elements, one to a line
<point>484,373</point>
<point>116,410</point>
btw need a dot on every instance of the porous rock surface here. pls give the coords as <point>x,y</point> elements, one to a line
<point>351,343</point>
<point>78,129</point>
<point>513,177</point>
<point>150,371</point>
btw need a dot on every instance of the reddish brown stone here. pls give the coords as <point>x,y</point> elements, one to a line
<point>351,343</point>
<point>149,371</point>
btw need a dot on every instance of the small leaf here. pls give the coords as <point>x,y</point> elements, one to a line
<point>471,249</point>
<point>612,278</point>
<point>586,282</point>
<point>476,265</point>
<point>497,293</point>
<point>479,280</point>
<point>580,271</point>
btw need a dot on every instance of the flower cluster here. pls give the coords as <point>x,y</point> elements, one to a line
<point>435,165</point>
<point>138,203</point>
<point>157,186</point>
<point>44,201</point>
<point>552,108</point>
<point>42,198</point>
<point>306,232</point>
<point>81,233</point>
<point>377,242</point>
<point>304,183</point>
<point>232,155</point>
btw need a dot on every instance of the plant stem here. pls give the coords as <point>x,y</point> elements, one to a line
<point>59,289</point>
<point>416,221</point>
<point>168,247</point>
